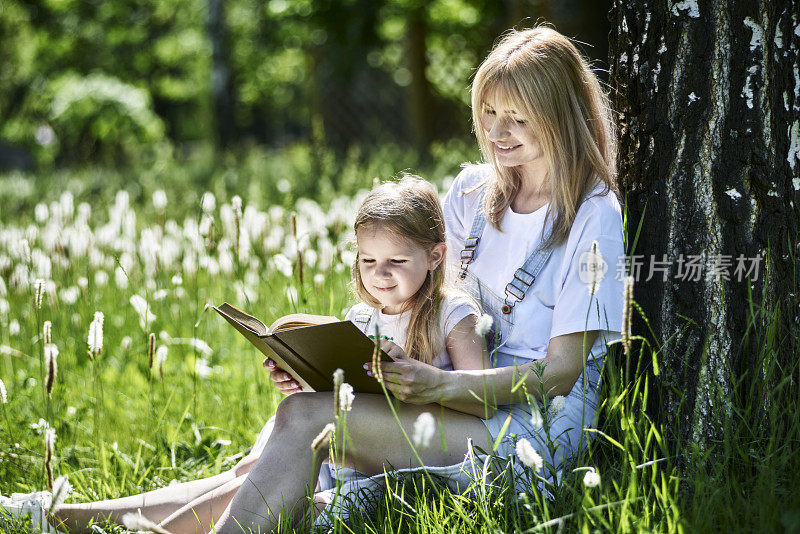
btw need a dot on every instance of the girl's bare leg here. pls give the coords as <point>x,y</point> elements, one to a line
<point>287,467</point>
<point>202,514</point>
<point>155,505</point>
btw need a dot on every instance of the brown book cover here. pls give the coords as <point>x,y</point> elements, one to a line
<point>310,348</point>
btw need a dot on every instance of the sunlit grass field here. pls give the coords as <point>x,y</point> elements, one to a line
<point>152,249</point>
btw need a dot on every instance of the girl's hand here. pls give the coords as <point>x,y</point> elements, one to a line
<point>285,383</point>
<point>409,380</point>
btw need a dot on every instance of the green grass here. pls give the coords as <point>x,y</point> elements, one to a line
<point>123,428</point>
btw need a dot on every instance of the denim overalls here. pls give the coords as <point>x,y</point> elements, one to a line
<point>565,436</point>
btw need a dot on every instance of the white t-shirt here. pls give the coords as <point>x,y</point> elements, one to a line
<point>559,300</point>
<point>453,309</point>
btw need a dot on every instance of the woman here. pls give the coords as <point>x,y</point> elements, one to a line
<point>547,191</point>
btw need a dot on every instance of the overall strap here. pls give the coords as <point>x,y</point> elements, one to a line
<point>524,277</point>
<point>475,233</point>
<point>363,318</point>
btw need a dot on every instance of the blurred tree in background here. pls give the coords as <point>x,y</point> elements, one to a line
<point>85,81</point>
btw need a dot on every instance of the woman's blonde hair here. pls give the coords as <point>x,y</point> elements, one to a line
<point>409,209</point>
<point>547,80</point>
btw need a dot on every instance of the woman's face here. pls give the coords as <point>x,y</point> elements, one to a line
<point>510,133</point>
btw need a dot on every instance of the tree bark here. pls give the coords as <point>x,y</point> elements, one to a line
<point>708,101</point>
<point>221,87</point>
<point>420,99</point>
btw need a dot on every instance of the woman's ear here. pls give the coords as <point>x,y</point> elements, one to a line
<point>437,255</point>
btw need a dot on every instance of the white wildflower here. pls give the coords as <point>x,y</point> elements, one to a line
<point>159,200</point>
<point>160,295</point>
<point>528,455</point>
<point>83,282</point>
<point>25,251</point>
<point>161,354</point>
<point>40,290</point>
<point>69,295</point>
<point>209,202</point>
<point>346,397</point>
<point>483,325</point>
<point>125,343</point>
<point>424,428</point>
<point>202,369</point>
<point>626,314</point>
<point>591,479</point>
<point>323,437</point>
<point>3,393</point>
<point>50,358</point>
<point>47,329</point>
<point>95,339</point>
<point>41,213</point>
<point>536,417</point>
<point>556,405</point>
<point>13,327</point>
<point>338,377</point>
<point>146,317</point>
<point>40,427</point>
<point>61,490</point>
<point>100,278</point>
<point>319,280</point>
<point>177,280</point>
<point>283,264</point>
<point>50,438</point>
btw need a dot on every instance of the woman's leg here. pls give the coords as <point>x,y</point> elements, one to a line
<point>287,468</point>
<point>155,505</point>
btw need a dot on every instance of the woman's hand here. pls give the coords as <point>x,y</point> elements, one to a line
<point>285,383</point>
<point>409,380</point>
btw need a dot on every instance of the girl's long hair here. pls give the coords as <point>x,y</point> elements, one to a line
<point>545,78</point>
<point>409,209</point>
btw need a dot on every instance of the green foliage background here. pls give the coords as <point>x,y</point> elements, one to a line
<point>87,82</point>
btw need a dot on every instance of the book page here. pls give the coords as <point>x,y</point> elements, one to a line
<point>299,320</point>
<point>245,319</point>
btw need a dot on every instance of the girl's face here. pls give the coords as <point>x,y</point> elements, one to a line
<point>510,133</point>
<point>392,268</point>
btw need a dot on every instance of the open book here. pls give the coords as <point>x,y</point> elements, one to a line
<point>311,348</point>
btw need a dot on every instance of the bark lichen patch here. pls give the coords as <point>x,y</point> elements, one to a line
<point>794,149</point>
<point>676,83</point>
<point>757,39</point>
<point>689,6</point>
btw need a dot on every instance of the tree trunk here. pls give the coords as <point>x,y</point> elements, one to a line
<point>221,88</point>
<point>708,100</point>
<point>421,110</point>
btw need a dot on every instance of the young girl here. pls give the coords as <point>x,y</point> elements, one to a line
<point>398,275</point>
